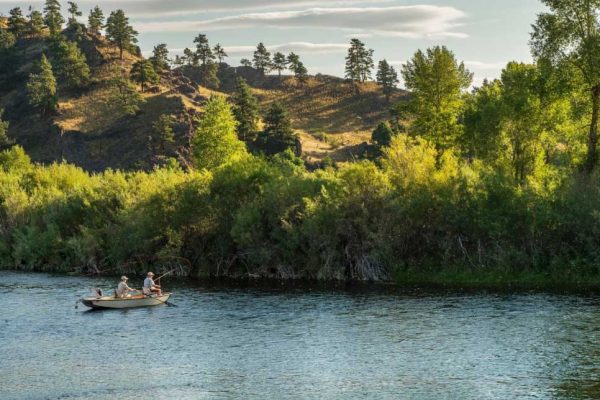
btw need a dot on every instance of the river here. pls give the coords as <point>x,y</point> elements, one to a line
<point>266,343</point>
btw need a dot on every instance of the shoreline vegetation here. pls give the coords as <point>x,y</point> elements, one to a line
<point>492,185</point>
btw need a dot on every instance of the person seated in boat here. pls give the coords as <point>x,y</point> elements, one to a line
<point>149,286</point>
<point>123,289</point>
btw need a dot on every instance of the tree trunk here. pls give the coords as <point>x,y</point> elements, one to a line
<point>120,52</point>
<point>592,153</point>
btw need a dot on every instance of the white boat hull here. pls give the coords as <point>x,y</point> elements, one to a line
<point>128,302</point>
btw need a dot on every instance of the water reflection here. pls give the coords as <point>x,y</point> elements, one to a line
<point>228,342</point>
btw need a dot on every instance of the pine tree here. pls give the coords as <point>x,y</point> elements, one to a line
<point>160,58</point>
<point>16,23</point>
<point>95,20</point>
<point>74,12</point>
<point>190,57</point>
<point>359,61</point>
<point>387,78</point>
<point>41,87</point>
<point>178,61</point>
<point>209,74</point>
<point>220,53</point>
<point>143,73</point>
<point>203,50</point>
<point>119,32</point>
<point>244,62</point>
<point>124,97</point>
<point>52,16</point>
<point>163,137</point>
<point>7,40</point>
<point>297,67</point>
<point>5,141</point>
<point>71,65</point>
<point>35,23</point>
<point>245,110</point>
<point>382,135</point>
<point>278,135</point>
<point>262,59</point>
<point>279,62</point>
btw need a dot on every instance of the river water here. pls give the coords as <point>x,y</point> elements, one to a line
<point>256,343</point>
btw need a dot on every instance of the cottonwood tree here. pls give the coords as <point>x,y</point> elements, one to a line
<point>387,78</point>
<point>52,17</point>
<point>359,61</point>
<point>160,58</point>
<point>119,32</point>
<point>215,141</point>
<point>41,87</point>
<point>95,20</point>
<point>245,110</point>
<point>280,62</point>
<point>220,53</point>
<point>262,59</point>
<point>437,81</point>
<point>143,72</point>
<point>568,35</point>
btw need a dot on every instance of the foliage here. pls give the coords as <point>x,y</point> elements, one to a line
<point>52,16</point>
<point>382,135</point>
<point>387,78</point>
<point>162,137</point>
<point>41,87</point>
<point>35,23</point>
<point>119,32</point>
<point>262,59</point>
<point>74,12</point>
<point>297,67</point>
<point>95,20</point>
<point>245,110</point>
<point>359,61</point>
<point>70,64</point>
<point>215,141</point>
<point>16,23</point>
<point>5,141</point>
<point>280,62</point>
<point>203,51</point>
<point>219,53</point>
<point>436,81</point>
<point>143,72</point>
<point>160,58</point>
<point>569,34</point>
<point>123,96</point>
<point>278,135</point>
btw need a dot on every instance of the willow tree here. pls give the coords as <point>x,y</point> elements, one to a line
<point>568,37</point>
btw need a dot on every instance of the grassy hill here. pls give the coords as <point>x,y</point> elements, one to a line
<point>332,116</point>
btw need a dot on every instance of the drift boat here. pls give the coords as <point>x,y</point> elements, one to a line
<point>126,302</point>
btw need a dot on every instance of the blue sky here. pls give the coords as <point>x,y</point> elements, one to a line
<point>486,34</point>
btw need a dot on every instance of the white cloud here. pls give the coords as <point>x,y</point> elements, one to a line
<point>399,21</point>
<point>297,47</point>
<point>174,7</point>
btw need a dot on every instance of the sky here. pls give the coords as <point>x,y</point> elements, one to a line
<point>485,34</point>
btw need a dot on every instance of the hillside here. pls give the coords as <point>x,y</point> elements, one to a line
<point>332,117</point>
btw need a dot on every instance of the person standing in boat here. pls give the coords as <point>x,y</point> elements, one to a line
<point>149,285</point>
<point>123,289</point>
